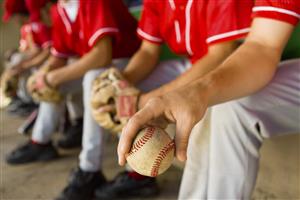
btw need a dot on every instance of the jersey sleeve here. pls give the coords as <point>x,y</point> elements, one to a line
<point>283,10</point>
<point>99,19</point>
<point>42,34</point>
<point>228,21</point>
<point>148,28</point>
<point>23,44</point>
<point>58,49</point>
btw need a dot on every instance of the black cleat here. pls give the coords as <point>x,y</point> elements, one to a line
<point>14,105</point>
<point>21,108</point>
<point>72,137</point>
<point>123,186</point>
<point>82,185</point>
<point>24,110</point>
<point>31,152</point>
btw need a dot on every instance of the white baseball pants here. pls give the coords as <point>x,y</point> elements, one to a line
<point>50,114</point>
<point>223,161</point>
<point>93,135</point>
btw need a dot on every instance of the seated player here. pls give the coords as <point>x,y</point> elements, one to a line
<point>73,120</point>
<point>257,99</point>
<point>191,30</point>
<point>35,43</point>
<point>101,33</point>
<point>34,47</point>
<point>35,39</point>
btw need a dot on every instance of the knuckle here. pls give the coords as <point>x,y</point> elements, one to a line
<point>134,120</point>
<point>154,101</point>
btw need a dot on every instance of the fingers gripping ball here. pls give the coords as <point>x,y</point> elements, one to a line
<point>41,91</point>
<point>152,152</point>
<point>110,88</point>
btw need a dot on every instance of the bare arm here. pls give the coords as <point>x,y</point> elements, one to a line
<point>30,54</point>
<point>37,60</point>
<point>216,55</point>
<point>143,62</point>
<point>251,67</point>
<point>99,56</point>
<point>53,63</point>
<point>246,71</point>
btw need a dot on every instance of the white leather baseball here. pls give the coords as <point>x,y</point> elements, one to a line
<point>152,152</point>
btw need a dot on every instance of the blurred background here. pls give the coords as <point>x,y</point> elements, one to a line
<point>9,37</point>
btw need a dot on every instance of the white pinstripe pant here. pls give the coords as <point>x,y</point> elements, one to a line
<point>223,161</point>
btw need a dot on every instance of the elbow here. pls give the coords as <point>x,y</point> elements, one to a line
<point>46,50</point>
<point>266,64</point>
<point>107,60</point>
<point>270,68</point>
<point>265,78</point>
<point>98,59</point>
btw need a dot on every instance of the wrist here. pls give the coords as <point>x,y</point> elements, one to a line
<point>51,80</point>
<point>128,77</point>
<point>204,89</point>
<point>19,68</point>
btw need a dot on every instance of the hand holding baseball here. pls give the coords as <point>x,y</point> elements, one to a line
<point>152,152</point>
<point>180,107</point>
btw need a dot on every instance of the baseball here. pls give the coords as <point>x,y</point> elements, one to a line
<point>152,152</point>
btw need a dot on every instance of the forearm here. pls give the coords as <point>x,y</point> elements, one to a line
<point>31,53</point>
<point>216,55</point>
<point>99,56</point>
<point>250,68</point>
<point>140,66</point>
<point>76,70</point>
<point>244,73</point>
<point>53,63</point>
<point>143,62</point>
<point>37,60</point>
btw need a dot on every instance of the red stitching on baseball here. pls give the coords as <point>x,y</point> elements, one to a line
<point>140,143</point>
<point>162,154</point>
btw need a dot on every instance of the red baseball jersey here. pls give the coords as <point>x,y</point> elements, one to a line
<point>76,32</point>
<point>34,7</point>
<point>283,10</point>
<point>190,26</point>
<point>41,35</point>
<point>12,7</point>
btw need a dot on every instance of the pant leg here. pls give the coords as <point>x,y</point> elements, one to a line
<point>233,164</point>
<point>165,72</point>
<point>238,128</point>
<point>46,122</point>
<point>196,168</point>
<point>50,113</point>
<point>74,103</point>
<point>22,92</point>
<point>92,141</point>
<point>90,158</point>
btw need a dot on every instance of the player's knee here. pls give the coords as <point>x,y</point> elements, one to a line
<point>89,77</point>
<point>226,114</point>
<point>47,106</point>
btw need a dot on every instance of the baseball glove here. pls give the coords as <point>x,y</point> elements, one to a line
<point>111,88</point>
<point>9,86</point>
<point>40,90</point>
